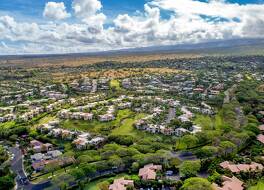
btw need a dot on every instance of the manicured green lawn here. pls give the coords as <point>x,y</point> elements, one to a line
<point>7,125</point>
<point>96,126</point>
<point>93,184</point>
<point>49,175</point>
<point>44,120</point>
<point>126,127</point>
<point>259,186</point>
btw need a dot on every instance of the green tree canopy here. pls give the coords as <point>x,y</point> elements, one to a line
<point>227,147</point>
<point>196,183</point>
<point>189,168</point>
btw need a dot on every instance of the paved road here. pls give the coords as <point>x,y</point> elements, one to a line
<point>171,115</point>
<point>183,156</point>
<point>18,168</point>
<point>241,119</point>
<point>228,94</point>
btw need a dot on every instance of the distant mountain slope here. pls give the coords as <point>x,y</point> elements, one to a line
<point>215,47</point>
<point>234,46</point>
<point>238,47</point>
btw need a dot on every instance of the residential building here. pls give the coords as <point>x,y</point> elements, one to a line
<point>149,171</point>
<point>121,184</point>
<point>237,168</point>
<point>230,184</point>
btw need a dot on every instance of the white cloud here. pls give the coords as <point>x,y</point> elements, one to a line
<point>55,11</point>
<point>86,8</point>
<point>89,12</point>
<point>190,21</point>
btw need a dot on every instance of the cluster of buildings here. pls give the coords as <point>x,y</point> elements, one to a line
<point>41,109</point>
<point>148,172</point>
<point>109,115</point>
<point>80,112</point>
<point>84,140</point>
<point>157,128</point>
<point>86,85</point>
<point>7,117</point>
<point>19,97</point>
<point>80,140</point>
<point>44,154</point>
<point>41,160</point>
<point>53,94</point>
<point>33,109</point>
<point>234,183</point>
<point>90,85</point>
<point>237,168</point>
<point>32,113</point>
<point>67,114</point>
<point>163,128</point>
<point>38,146</point>
<point>186,84</point>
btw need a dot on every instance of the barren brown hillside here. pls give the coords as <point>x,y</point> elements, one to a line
<point>77,61</point>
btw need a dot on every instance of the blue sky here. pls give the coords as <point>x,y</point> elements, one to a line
<point>32,9</point>
<point>64,26</point>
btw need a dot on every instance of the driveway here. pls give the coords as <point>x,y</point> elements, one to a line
<point>171,115</point>
<point>183,156</point>
<point>18,168</point>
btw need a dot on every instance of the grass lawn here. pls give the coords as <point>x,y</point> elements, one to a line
<point>47,176</point>
<point>180,145</point>
<point>115,84</point>
<point>7,125</point>
<point>44,120</point>
<point>204,121</point>
<point>126,127</point>
<point>93,184</point>
<point>259,186</point>
<point>96,126</point>
<point>209,123</point>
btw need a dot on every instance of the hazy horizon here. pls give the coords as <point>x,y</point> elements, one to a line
<point>77,26</point>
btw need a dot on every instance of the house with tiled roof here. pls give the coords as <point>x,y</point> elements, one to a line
<point>237,168</point>
<point>260,138</point>
<point>121,184</point>
<point>261,128</point>
<point>230,184</point>
<point>149,171</point>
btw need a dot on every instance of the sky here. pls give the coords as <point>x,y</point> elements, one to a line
<point>75,26</point>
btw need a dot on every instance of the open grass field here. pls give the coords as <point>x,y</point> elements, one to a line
<point>259,186</point>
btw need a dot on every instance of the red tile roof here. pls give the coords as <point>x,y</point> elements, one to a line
<point>261,127</point>
<point>230,184</point>
<point>120,184</point>
<point>236,168</point>
<point>149,171</point>
<point>260,138</point>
